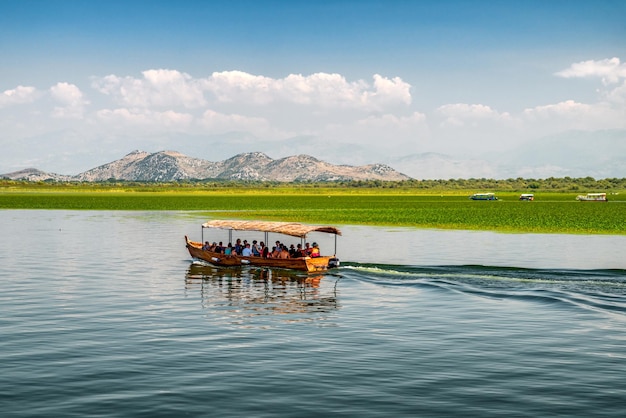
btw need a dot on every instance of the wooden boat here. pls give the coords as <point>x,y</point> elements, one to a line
<point>308,264</point>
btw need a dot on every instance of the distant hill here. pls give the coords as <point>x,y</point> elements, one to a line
<point>32,174</point>
<point>173,166</point>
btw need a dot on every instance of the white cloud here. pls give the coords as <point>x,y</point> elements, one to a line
<point>170,88</point>
<point>390,121</point>
<point>173,119</point>
<point>71,99</point>
<point>157,88</point>
<point>216,123</point>
<point>609,70</point>
<point>323,89</point>
<point>334,91</point>
<point>318,89</point>
<point>568,108</point>
<point>391,90</point>
<point>122,115</point>
<point>462,114</point>
<point>617,95</point>
<point>18,95</point>
<point>236,86</point>
<point>568,115</point>
<point>67,94</point>
<point>123,118</point>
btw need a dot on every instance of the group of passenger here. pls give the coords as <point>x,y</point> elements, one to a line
<point>255,249</point>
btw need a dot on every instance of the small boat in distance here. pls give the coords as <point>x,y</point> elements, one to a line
<point>593,197</point>
<point>483,196</point>
<point>527,196</point>
<point>303,263</point>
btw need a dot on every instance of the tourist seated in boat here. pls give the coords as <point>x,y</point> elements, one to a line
<point>206,246</point>
<point>247,250</point>
<point>307,249</point>
<point>263,250</point>
<point>229,249</point>
<point>284,252</point>
<point>275,252</point>
<point>315,251</point>
<point>293,253</point>
<point>219,248</point>
<point>255,249</point>
<point>299,252</point>
<point>238,247</point>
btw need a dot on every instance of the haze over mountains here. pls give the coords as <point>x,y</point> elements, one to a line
<point>167,166</point>
<point>576,154</point>
<point>572,154</point>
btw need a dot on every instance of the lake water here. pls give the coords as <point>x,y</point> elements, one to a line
<point>105,314</point>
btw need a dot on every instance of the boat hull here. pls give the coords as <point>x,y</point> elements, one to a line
<point>308,264</point>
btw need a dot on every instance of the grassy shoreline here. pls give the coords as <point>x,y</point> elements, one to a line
<point>551,212</point>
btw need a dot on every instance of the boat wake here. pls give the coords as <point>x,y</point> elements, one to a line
<point>597,290</point>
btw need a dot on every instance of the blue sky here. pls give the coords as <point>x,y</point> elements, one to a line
<point>436,89</point>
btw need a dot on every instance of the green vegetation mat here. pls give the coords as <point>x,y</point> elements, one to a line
<point>550,212</point>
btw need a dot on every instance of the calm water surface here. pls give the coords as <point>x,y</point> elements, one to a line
<point>105,314</point>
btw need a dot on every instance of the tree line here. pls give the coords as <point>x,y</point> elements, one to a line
<point>565,184</point>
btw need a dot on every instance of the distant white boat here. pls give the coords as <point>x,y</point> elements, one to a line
<point>593,197</point>
<point>527,196</point>
<point>483,196</point>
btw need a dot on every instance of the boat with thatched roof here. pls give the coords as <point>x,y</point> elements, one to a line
<point>310,263</point>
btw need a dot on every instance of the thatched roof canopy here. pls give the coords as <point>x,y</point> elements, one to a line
<point>287,228</point>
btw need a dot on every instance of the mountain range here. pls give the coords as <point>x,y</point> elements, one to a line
<point>165,166</point>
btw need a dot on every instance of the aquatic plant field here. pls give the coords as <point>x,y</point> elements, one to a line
<point>551,212</point>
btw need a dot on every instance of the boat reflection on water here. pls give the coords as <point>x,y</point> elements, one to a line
<point>262,291</point>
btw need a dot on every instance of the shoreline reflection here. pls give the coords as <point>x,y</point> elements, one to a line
<point>248,292</point>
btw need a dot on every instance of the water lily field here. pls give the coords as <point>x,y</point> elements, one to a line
<point>550,212</point>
